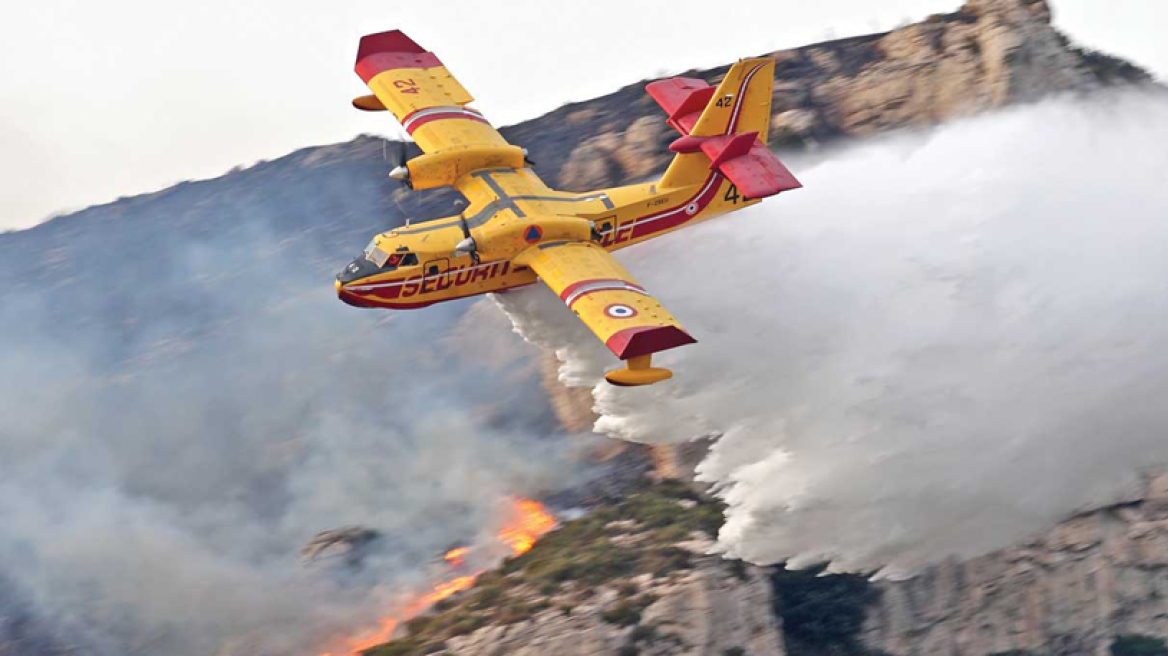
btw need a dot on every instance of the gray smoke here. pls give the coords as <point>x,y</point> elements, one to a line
<point>158,475</point>
<point>944,343</point>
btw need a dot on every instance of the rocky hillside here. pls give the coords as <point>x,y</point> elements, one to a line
<point>631,577</point>
<point>634,577</point>
<point>987,54</point>
<point>1068,591</point>
<point>145,288</point>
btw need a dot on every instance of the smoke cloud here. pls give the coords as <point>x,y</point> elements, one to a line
<point>160,470</point>
<point>943,343</point>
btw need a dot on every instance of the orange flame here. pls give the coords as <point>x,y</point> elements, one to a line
<point>528,522</point>
<point>455,556</point>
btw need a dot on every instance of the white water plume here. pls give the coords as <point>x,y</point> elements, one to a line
<point>943,343</point>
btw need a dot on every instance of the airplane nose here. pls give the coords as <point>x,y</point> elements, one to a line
<point>358,269</point>
<point>350,298</point>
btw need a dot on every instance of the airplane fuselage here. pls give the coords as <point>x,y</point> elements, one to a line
<point>506,201</point>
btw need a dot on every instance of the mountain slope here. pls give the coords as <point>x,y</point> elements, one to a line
<point>179,386</point>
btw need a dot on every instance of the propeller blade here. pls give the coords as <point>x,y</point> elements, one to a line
<point>400,156</point>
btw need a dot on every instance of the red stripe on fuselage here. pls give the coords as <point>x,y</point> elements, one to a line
<point>677,215</point>
<point>373,301</point>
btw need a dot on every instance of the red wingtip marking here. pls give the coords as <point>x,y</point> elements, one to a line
<point>392,41</point>
<point>386,51</point>
<point>633,342</point>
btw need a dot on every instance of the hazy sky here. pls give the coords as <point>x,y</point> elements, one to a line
<point>109,99</point>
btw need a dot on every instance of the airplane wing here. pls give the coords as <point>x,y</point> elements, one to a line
<point>413,84</point>
<point>630,322</point>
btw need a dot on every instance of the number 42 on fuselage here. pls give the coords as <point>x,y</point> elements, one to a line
<point>516,230</point>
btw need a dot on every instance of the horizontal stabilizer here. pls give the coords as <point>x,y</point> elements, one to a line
<point>683,99</point>
<point>744,160</point>
<point>757,173</point>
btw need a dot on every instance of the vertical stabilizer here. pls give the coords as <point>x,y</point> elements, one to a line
<point>741,104</point>
<point>724,129</point>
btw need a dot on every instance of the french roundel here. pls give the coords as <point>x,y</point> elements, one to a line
<point>691,209</point>
<point>619,311</point>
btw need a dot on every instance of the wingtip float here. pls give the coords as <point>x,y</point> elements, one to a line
<point>515,230</point>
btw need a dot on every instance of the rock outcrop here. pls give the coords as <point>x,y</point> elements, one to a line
<point>706,611</point>
<point>1067,592</point>
<point>988,54</point>
<point>633,576</point>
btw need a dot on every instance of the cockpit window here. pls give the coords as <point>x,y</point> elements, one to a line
<point>383,260</point>
<point>401,259</point>
<point>375,255</point>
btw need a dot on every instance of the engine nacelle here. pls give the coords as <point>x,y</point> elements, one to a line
<point>443,168</point>
<point>510,236</point>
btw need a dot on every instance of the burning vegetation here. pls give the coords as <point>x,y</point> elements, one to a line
<point>528,521</point>
<point>638,535</point>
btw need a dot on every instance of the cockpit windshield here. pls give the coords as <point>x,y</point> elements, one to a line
<point>384,260</point>
<point>375,255</point>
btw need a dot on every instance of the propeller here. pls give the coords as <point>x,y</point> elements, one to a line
<point>400,152</point>
<point>468,244</point>
<point>396,152</point>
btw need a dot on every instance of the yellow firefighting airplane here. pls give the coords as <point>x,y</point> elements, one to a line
<point>515,229</point>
